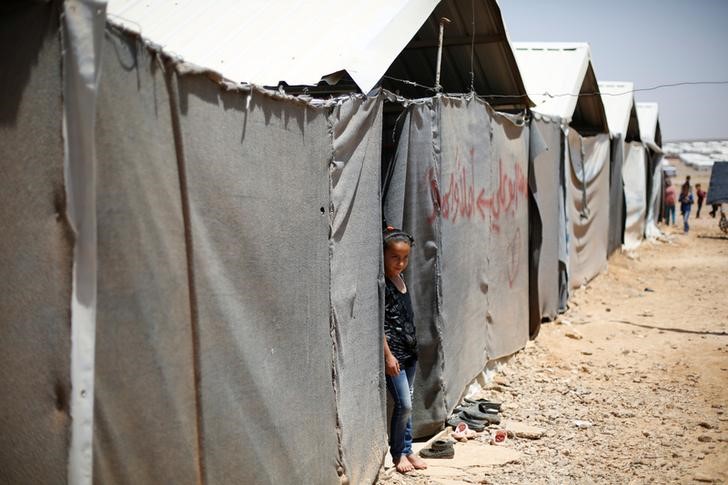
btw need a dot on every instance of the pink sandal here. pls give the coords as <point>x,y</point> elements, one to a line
<point>462,432</point>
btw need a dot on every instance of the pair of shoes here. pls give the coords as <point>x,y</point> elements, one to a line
<point>481,413</point>
<point>484,403</point>
<point>439,449</point>
<point>474,413</point>
<point>473,424</point>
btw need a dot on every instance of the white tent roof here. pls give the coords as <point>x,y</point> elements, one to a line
<point>555,74</point>
<point>553,68</point>
<point>647,113</point>
<point>618,102</point>
<point>265,42</point>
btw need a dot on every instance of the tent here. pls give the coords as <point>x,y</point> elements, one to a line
<point>628,165</point>
<point>205,251</point>
<point>459,183</point>
<point>651,134</point>
<point>560,79</point>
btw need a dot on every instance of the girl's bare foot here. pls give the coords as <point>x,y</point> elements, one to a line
<point>417,462</point>
<point>403,465</point>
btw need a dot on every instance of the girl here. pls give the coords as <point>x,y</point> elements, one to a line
<point>400,349</point>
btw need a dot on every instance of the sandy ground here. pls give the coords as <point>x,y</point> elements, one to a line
<point>640,358</point>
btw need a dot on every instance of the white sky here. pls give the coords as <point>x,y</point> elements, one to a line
<point>648,42</point>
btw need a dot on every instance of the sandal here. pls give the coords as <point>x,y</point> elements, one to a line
<point>499,437</point>
<point>474,413</point>
<point>484,404</point>
<point>475,425</point>
<point>462,432</point>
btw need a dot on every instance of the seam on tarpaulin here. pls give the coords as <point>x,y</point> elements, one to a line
<point>172,92</point>
<point>79,92</point>
<point>333,323</point>
<point>437,158</point>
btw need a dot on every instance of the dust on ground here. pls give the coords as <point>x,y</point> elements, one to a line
<point>640,359</point>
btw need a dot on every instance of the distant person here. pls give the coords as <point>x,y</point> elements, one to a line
<point>670,199</point>
<point>686,202</point>
<point>687,184</point>
<point>715,210</point>
<point>701,197</point>
<point>400,349</point>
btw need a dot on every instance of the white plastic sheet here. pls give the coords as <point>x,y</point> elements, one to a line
<point>634,174</point>
<point>587,200</point>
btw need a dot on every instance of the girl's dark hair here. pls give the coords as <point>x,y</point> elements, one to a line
<point>392,234</point>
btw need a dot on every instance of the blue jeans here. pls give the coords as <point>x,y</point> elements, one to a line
<point>686,214</point>
<point>669,211</point>
<point>400,431</point>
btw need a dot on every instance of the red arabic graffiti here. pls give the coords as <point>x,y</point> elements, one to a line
<point>514,260</point>
<point>460,200</point>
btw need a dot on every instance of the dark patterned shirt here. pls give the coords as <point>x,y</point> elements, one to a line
<point>399,325</point>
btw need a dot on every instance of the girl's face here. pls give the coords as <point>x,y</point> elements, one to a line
<point>396,257</point>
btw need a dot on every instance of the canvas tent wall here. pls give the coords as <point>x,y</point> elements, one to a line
<point>460,187</point>
<point>628,193</point>
<point>235,269</point>
<point>36,251</point>
<point>648,114</point>
<point>555,75</point>
<point>548,192</point>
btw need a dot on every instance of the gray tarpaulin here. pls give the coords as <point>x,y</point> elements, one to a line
<point>257,179</point>
<point>718,188</point>
<point>587,194</point>
<point>634,174</point>
<point>546,167</point>
<point>356,276</point>
<point>36,248</point>
<point>655,194</point>
<point>616,195</point>
<point>145,426</point>
<point>460,187</point>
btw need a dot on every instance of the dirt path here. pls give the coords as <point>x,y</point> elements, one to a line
<point>641,357</point>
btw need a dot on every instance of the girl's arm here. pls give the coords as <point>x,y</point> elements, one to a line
<point>391,364</point>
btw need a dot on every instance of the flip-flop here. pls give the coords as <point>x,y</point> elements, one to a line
<point>492,418</point>
<point>484,403</point>
<point>474,413</point>
<point>463,432</point>
<point>499,437</point>
<point>487,407</point>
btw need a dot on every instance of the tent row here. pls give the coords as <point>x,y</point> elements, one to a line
<point>193,282</point>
